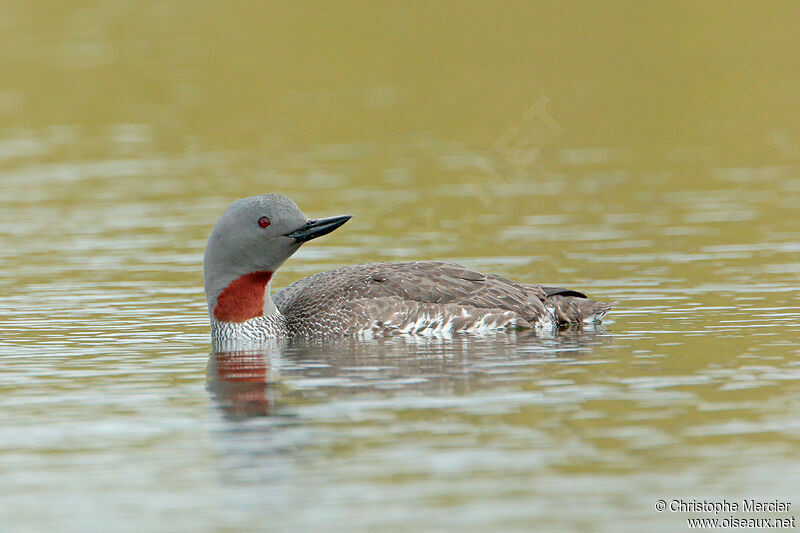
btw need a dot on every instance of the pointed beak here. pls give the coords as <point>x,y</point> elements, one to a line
<point>317,228</point>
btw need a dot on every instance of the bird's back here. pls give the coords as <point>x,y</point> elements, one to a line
<point>424,297</point>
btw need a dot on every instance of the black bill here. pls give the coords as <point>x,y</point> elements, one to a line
<point>317,228</point>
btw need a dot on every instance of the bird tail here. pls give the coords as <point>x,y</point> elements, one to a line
<point>573,307</point>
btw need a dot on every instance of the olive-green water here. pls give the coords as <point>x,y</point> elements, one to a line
<point>641,152</point>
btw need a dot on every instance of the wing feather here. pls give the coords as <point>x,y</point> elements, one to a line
<point>407,295</point>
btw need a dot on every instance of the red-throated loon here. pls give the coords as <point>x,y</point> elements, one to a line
<point>256,235</point>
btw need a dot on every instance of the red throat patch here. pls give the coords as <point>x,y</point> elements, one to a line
<point>243,298</point>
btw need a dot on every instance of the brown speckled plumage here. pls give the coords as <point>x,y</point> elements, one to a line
<point>385,298</point>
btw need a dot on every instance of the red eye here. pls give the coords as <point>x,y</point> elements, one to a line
<point>264,222</point>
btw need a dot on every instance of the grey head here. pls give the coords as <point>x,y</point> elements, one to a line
<point>257,234</point>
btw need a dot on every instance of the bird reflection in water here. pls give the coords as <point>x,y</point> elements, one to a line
<point>241,379</point>
<point>248,381</point>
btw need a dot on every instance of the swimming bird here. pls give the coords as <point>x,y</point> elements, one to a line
<point>256,235</point>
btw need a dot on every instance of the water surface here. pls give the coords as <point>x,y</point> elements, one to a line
<point>645,155</point>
